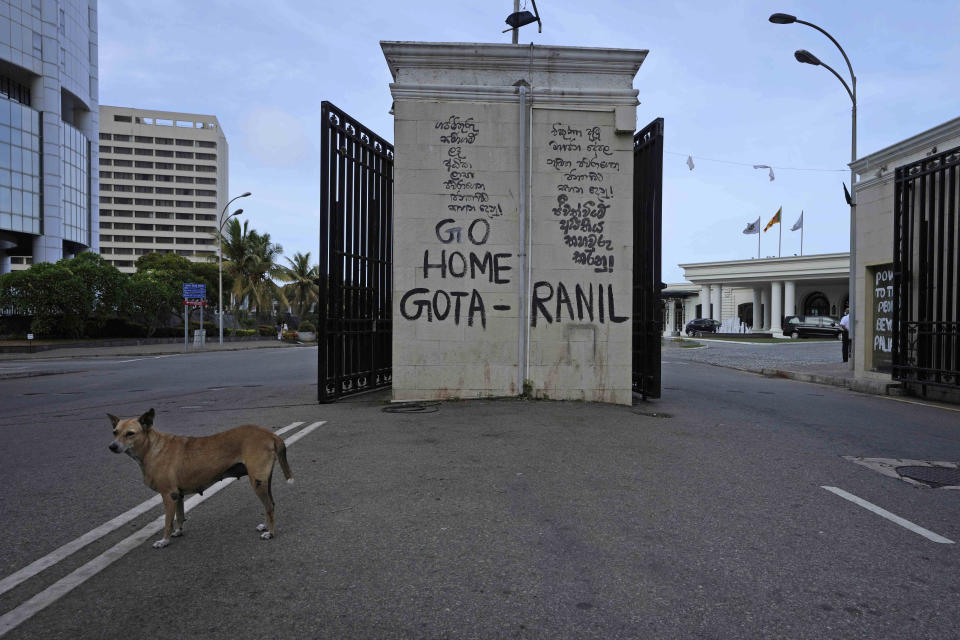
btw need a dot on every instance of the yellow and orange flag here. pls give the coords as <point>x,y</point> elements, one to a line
<point>774,220</point>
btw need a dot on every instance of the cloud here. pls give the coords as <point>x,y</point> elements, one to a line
<point>275,137</point>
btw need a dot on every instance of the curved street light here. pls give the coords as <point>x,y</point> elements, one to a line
<point>806,57</point>
<point>220,257</point>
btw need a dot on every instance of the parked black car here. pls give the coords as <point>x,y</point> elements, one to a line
<point>811,327</point>
<point>701,326</point>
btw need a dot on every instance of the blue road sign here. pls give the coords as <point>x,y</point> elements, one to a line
<point>194,290</point>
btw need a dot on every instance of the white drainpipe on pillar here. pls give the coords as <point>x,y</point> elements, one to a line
<point>523,356</point>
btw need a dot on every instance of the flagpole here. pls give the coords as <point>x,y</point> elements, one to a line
<point>801,237</point>
<point>758,238</point>
<point>780,246</point>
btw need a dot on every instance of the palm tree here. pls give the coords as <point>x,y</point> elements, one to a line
<point>303,288</point>
<point>235,245</point>
<point>258,272</point>
<point>252,261</point>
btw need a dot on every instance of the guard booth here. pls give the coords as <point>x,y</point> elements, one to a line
<point>514,246</point>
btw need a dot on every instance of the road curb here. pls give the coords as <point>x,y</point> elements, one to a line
<point>32,374</point>
<point>875,387</point>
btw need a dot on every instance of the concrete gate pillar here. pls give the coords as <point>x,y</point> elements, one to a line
<point>510,161</point>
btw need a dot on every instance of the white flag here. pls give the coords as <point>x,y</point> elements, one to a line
<point>765,166</point>
<point>690,162</point>
<point>752,228</point>
<point>798,224</point>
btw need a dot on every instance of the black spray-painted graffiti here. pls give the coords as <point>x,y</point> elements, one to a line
<point>470,264</point>
<point>547,298</point>
<point>582,221</point>
<point>467,193</point>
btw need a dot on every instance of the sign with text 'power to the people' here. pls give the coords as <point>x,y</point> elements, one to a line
<point>881,294</point>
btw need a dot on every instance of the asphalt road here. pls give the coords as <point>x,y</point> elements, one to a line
<point>701,515</point>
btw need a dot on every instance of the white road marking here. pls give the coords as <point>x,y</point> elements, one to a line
<point>106,528</point>
<point>60,588</point>
<point>923,404</point>
<point>926,533</point>
<point>306,430</point>
<point>293,425</point>
<point>73,546</point>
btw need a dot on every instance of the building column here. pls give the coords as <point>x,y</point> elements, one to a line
<point>667,317</point>
<point>789,298</point>
<point>776,309</point>
<point>705,300</point>
<point>765,301</point>
<point>757,318</point>
<point>717,302</point>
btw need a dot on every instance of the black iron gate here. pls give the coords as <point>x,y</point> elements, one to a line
<point>647,201</point>
<point>356,231</point>
<point>926,311</point>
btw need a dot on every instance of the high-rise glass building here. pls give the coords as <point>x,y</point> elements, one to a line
<point>49,117</point>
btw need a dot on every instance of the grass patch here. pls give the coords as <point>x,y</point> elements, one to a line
<point>683,343</point>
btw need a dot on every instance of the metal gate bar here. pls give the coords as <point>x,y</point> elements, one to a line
<point>647,207</point>
<point>356,228</point>
<point>926,313</point>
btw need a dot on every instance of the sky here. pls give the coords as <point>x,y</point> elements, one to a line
<point>720,74</point>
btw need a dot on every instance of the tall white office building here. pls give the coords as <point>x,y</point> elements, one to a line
<point>48,118</point>
<point>163,182</point>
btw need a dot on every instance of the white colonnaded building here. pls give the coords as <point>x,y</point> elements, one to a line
<point>758,292</point>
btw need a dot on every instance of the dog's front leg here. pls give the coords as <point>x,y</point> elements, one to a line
<point>179,520</point>
<point>169,509</point>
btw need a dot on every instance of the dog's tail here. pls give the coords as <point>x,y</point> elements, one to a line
<point>280,448</point>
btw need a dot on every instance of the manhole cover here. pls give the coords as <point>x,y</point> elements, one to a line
<point>933,476</point>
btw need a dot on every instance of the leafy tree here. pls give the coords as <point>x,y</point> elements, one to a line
<point>151,294</point>
<point>52,294</point>
<point>303,288</point>
<point>168,262</point>
<point>103,284</point>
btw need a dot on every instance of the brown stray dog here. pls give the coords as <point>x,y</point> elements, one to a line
<point>175,466</point>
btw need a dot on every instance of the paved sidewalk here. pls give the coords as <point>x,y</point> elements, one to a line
<point>817,362</point>
<point>137,349</point>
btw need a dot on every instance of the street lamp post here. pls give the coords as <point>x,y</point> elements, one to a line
<point>220,257</point>
<point>808,58</point>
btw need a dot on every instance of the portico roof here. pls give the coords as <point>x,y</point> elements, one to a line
<point>821,267</point>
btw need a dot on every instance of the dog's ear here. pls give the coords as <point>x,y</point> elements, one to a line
<point>113,419</point>
<point>146,420</point>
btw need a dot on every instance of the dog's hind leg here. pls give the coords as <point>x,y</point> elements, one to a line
<point>262,488</point>
<point>179,519</point>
